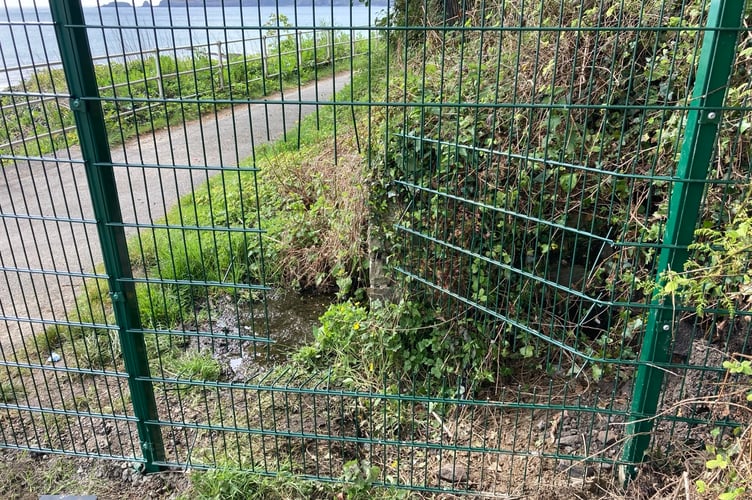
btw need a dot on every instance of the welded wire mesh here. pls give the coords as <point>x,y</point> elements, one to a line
<point>535,204</point>
<point>527,153</point>
<point>49,248</point>
<point>187,94</point>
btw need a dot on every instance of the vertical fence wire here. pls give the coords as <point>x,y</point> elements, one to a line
<point>527,154</point>
<point>52,290</point>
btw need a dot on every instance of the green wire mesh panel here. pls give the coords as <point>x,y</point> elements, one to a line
<point>190,96</point>
<point>525,153</point>
<point>311,425</point>
<point>533,178</point>
<point>525,178</point>
<point>53,292</point>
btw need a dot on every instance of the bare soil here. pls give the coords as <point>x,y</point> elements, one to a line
<point>27,475</point>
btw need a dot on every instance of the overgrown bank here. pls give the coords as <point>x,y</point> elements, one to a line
<point>440,174</point>
<point>540,204</point>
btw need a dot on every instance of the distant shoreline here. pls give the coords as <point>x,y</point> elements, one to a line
<point>237,3</point>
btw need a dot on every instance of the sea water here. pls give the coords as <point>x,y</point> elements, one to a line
<point>27,36</point>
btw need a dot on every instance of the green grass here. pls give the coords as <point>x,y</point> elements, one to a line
<point>9,391</point>
<point>233,484</point>
<point>126,88</point>
<point>194,365</point>
<point>18,480</point>
<point>313,236</point>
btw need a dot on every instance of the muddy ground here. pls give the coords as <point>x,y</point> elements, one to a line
<point>520,440</point>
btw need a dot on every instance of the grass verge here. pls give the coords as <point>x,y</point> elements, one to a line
<point>311,205</point>
<point>138,97</point>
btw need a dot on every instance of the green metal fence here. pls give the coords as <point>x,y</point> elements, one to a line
<point>538,167</point>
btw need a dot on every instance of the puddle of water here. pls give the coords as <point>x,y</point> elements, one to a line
<point>291,318</point>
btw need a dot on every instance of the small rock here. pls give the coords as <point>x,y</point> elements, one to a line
<point>606,437</point>
<point>126,474</point>
<point>571,440</point>
<point>541,425</point>
<point>580,472</point>
<point>54,357</point>
<point>454,473</point>
<point>236,363</point>
<point>575,470</point>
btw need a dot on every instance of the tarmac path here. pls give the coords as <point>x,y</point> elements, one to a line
<point>48,240</point>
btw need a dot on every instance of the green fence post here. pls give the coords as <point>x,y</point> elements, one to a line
<point>70,30</point>
<point>713,73</point>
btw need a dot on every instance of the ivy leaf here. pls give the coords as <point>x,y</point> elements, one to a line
<point>732,495</point>
<point>670,287</point>
<point>717,463</point>
<point>568,182</point>
<point>702,486</point>
<point>528,351</point>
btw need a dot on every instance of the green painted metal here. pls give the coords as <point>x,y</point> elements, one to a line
<point>526,149</point>
<point>90,125</point>
<point>713,75</point>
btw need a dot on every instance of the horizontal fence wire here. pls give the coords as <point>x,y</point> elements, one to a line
<point>532,180</point>
<point>52,290</point>
<point>530,149</point>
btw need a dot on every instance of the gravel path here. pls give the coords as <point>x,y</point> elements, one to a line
<point>46,213</point>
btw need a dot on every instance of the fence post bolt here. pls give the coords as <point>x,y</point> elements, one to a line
<point>70,30</point>
<point>77,104</point>
<point>713,73</point>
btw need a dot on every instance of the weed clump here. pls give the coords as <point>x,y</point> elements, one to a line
<point>528,177</point>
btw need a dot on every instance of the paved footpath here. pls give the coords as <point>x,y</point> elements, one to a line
<point>33,190</point>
